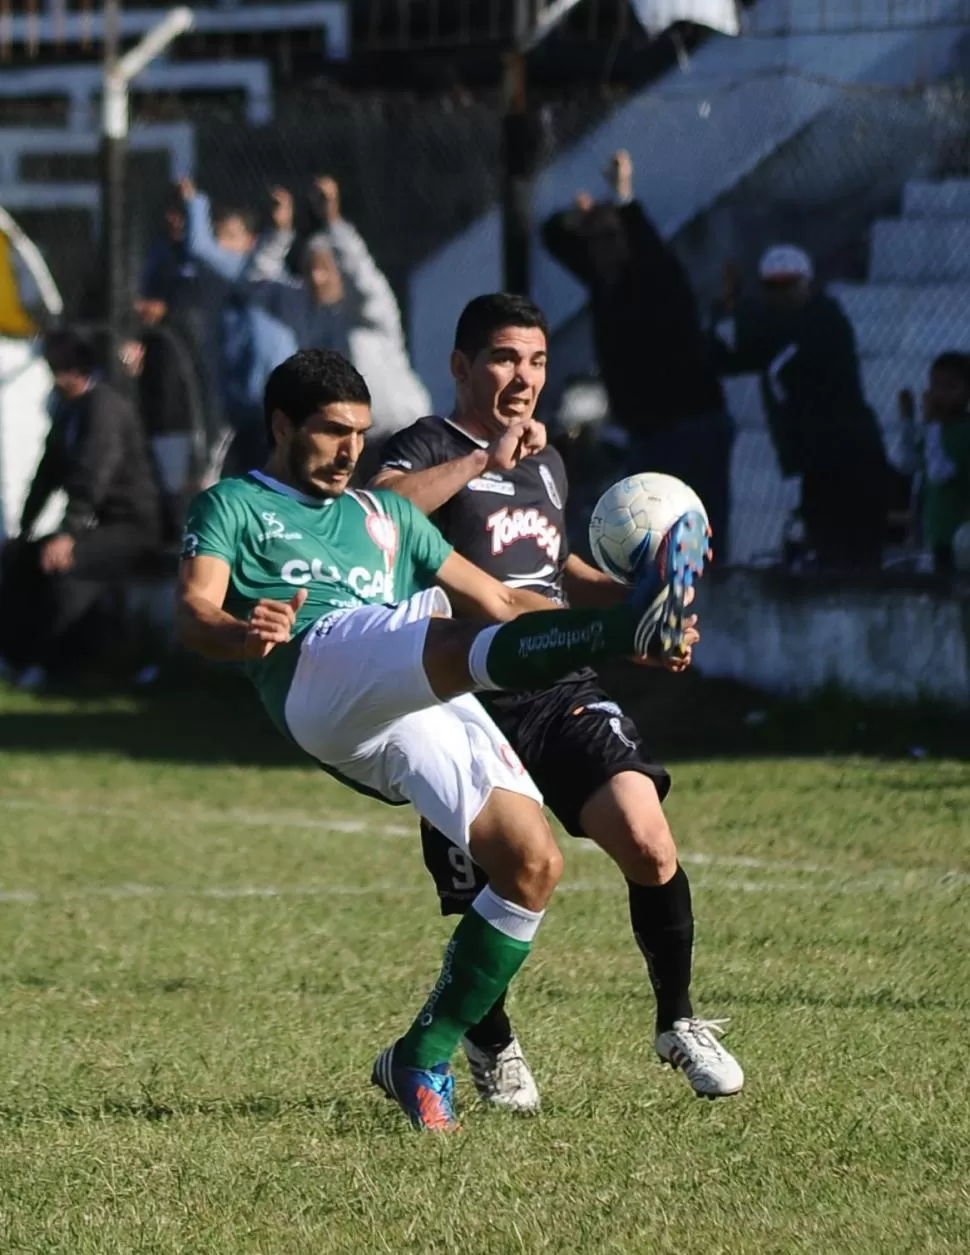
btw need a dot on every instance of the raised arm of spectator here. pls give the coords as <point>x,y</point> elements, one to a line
<point>646,243</point>
<point>269,259</point>
<point>368,296</point>
<point>201,242</point>
<point>565,240</point>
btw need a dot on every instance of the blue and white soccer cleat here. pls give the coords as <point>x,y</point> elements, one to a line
<point>427,1096</point>
<point>660,595</point>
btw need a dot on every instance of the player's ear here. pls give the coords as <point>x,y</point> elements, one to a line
<point>282,427</point>
<point>460,366</point>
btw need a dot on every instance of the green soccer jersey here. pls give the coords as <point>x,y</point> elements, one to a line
<point>354,550</point>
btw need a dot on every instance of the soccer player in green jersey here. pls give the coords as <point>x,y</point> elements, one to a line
<point>338,603</point>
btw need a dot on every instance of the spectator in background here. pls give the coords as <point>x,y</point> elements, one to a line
<point>164,361</point>
<point>96,454</point>
<point>802,344</point>
<point>652,351</point>
<point>341,300</point>
<point>245,340</point>
<point>169,273</point>
<point>940,454</point>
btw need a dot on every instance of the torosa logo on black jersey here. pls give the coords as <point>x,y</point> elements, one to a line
<point>506,527</point>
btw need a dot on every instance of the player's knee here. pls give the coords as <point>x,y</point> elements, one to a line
<point>650,851</point>
<point>625,818</point>
<point>539,873</point>
<point>518,853</point>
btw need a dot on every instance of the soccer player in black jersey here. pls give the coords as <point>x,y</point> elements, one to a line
<point>498,492</point>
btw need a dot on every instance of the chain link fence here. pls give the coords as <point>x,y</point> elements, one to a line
<point>868,183</point>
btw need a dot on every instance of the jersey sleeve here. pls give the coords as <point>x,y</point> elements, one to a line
<point>429,550</point>
<point>561,481</point>
<point>212,528</point>
<point>410,450</point>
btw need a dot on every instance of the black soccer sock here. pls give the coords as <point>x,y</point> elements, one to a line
<point>663,925</point>
<point>493,1032</point>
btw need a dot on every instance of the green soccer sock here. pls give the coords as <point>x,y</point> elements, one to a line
<point>537,649</point>
<point>488,947</point>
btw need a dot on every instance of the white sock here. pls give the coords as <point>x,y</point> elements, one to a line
<point>509,918</point>
<point>478,659</point>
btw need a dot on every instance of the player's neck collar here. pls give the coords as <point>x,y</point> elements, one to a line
<point>482,444</point>
<point>278,486</point>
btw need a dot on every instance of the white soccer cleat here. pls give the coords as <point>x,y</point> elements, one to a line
<point>503,1077</point>
<point>693,1046</point>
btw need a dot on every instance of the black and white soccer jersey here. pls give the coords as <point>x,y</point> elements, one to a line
<point>510,523</point>
<point>571,737</point>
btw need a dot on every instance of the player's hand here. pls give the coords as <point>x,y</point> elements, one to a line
<point>57,555</point>
<point>619,174</point>
<point>584,202</point>
<point>187,189</point>
<point>519,441</point>
<point>328,190</point>
<point>271,623</point>
<point>132,357</point>
<point>282,213</point>
<point>681,661</point>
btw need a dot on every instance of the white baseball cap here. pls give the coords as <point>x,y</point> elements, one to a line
<point>784,263</point>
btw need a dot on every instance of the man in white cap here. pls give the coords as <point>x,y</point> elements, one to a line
<point>801,342</point>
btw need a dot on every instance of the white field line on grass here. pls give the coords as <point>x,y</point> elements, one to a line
<point>848,881</point>
<point>31,897</point>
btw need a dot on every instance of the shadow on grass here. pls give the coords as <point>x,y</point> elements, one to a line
<point>791,998</point>
<point>336,1114</point>
<point>208,716</point>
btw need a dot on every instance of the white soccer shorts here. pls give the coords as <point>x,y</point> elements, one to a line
<point>360,702</point>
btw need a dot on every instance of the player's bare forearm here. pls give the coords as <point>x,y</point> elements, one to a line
<point>431,488</point>
<point>525,601</point>
<point>588,588</point>
<point>207,629</point>
<point>477,595</point>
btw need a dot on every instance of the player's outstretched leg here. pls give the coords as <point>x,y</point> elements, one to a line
<point>512,841</point>
<point>625,818</point>
<point>538,649</point>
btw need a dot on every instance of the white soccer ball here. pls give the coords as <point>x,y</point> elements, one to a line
<point>632,518</point>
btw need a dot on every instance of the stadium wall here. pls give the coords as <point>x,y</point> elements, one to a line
<point>902,640</point>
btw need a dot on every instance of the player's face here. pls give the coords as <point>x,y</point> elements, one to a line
<point>503,384</point>
<point>320,456</point>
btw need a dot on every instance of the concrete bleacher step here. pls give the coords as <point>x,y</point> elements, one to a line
<point>949,198</point>
<point>891,318</point>
<point>920,250</point>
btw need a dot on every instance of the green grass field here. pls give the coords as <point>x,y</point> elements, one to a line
<point>205,944</point>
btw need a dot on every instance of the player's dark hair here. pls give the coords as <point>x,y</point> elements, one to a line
<point>954,363</point>
<point>69,350</point>
<point>308,381</point>
<point>485,315</point>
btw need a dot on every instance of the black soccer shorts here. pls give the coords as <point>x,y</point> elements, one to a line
<point>572,739</point>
